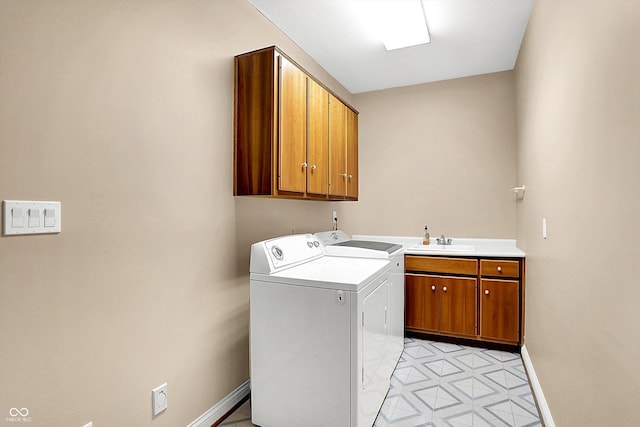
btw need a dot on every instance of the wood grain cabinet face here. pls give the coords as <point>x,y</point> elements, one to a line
<point>441,304</point>
<point>292,116</point>
<point>421,299</point>
<point>352,154</point>
<point>457,305</point>
<point>499,268</point>
<point>292,137</point>
<point>318,139</point>
<point>337,147</point>
<point>499,309</point>
<point>465,297</point>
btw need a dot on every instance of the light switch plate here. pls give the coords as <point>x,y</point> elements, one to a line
<point>31,217</point>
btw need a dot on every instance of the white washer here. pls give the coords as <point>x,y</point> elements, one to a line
<point>319,335</point>
<point>338,243</point>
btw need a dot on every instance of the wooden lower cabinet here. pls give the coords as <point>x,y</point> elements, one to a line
<point>499,308</point>
<point>441,304</point>
<point>457,305</point>
<point>465,297</point>
<point>421,303</point>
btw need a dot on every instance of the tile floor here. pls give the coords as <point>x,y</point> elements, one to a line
<point>241,417</point>
<point>447,385</point>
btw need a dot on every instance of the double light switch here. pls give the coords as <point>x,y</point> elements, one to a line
<point>31,217</point>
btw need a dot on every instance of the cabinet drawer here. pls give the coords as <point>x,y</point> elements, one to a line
<point>499,268</point>
<point>442,265</point>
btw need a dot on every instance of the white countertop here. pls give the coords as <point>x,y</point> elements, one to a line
<point>460,246</point>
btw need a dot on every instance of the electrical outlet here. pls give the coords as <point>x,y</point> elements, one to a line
<point>334,217</point>
<point>159,399</point>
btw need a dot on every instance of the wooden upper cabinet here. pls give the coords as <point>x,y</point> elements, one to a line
<point>337,147</point>
<point>292,137</point>
<point>352,154</point>
<point>343,150</point>
<point>254,123</point>
<point>292,116</point>
<point>318,138</point>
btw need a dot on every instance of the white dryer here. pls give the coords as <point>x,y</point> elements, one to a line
<point>319,331</point>
<point>338,243</point>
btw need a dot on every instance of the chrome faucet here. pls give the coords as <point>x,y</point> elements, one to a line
<point>443,240</point>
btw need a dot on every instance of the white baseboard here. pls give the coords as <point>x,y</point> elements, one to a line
<point>537,389</point>
<point>218,410</point>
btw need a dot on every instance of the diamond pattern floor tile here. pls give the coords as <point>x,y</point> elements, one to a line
<point>466,387</point>
<point>439,384</point>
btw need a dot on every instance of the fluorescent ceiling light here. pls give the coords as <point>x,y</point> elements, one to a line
<point>404,24</point>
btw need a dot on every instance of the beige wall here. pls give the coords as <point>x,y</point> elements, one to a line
<point>440,154</point>
<point>578,103</point>
<point>123,111</point>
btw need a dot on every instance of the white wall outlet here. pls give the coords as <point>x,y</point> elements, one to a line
<point>334,217</point>
<point>544,228</point>
<point>159,399</point>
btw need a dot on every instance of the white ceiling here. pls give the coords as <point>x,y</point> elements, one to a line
<point>468,37</point>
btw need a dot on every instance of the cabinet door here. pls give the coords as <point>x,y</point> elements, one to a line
<point>499,310</point>
<point>421,303</point>
<point>318,142</point>
<point>457,305</point>
<point>292,120</point>
<point>352,154</point>
<point>337,147</point>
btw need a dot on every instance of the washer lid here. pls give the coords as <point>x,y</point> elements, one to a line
<point>376,246</point>
<point>350,274</point>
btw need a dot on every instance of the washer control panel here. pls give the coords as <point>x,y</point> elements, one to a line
<point>292,250</point>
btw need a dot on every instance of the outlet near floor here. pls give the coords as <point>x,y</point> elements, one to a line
<point>159,399</point>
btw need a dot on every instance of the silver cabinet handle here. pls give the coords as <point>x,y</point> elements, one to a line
<point>344,175</point>
<point>499,269</point>
<point>433,287</point>
<point>313,167</point>
<point>486,291</point>
<point>304,165</point>
<point>444,289</point>
<point>350,176</point>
